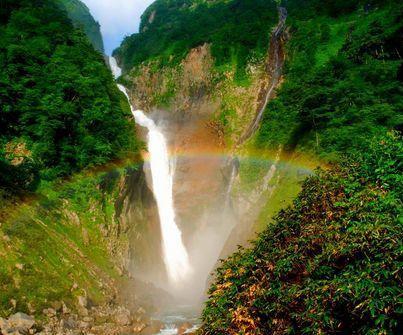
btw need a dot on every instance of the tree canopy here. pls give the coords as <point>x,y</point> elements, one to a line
<point>60,108</point>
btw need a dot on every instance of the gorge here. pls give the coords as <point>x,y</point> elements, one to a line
<point>232,168</point>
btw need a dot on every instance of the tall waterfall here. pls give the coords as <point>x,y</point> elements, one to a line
<point>175,255</point>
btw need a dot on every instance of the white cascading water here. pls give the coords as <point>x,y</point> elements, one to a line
<point>175,255</point>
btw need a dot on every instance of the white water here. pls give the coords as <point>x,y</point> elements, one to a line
<point>116,70</point>
<point>176,258</point>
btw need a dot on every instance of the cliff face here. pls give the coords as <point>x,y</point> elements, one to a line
<point>205,102</point>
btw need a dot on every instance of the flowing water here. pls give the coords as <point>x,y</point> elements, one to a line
<point>175,255</point>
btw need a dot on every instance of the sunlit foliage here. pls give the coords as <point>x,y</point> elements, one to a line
<point>330,264</point>
<point>58,99</point>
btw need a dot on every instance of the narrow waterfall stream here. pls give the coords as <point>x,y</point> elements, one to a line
<point>195,195</point>
<point>175,255</point>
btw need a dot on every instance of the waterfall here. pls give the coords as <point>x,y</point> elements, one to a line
<point>116,70</point>
<point>175,255</point>
<point>234,163</point>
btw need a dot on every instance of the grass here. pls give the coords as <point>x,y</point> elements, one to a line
<point>55,241</point>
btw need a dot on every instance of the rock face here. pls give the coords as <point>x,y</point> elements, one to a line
<point>18,323</point>
<point>122,317</point>
<point>190,83</point>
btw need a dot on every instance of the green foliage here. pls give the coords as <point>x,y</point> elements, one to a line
<point>170,28</point>
<point>343,83</point>
<point>330,264</point>
<point>79,13</point>
<point>57,96</point>
<point>59,240</point>
<point>343,65</point>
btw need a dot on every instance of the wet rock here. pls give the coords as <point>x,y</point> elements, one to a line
<point>122,317</point>
<point>142,329</point>
<point>19,323</point>
<point>153,328</point>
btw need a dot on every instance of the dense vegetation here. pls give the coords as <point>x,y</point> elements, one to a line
<point>55,248</point>
<point>60,108</point>
<point>343,69</point>
<point>343,81</point>
<point>330,264</point>
<point>237,29</point>
<point>81,17</point>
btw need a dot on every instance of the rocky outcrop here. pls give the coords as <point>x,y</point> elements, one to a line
<point>97,320</point>
<point>186,88</point>
<point>18,323</point>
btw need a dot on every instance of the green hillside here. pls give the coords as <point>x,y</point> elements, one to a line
<point>79,13</point>
<point>61,116</point>
<point>237,29</point>
<point>60,108</point>
<point>343,64</point>
<point>331,264</point>
<point>343,81</point>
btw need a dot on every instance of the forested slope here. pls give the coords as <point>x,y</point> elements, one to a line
<point>62,222</point>
<point>81,17</point>
<point>60,108</point>
<point>343,79</point>
<point>342,74</point>
<point>331,264</point>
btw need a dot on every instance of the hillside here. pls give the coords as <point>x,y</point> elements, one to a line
<point>342,71</point>
<point>80,15</point>
<point>272,141</point>
<point>329,264</point>
<point>70,182</point>
<point>61,110</point>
